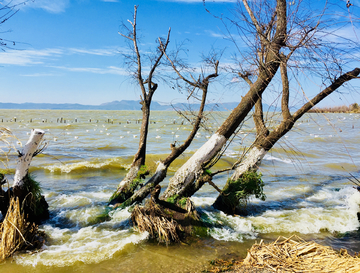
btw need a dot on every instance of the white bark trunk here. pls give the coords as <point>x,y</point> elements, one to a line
<point>187,173</point>
<point>251,161</point>
<point>160,172</point>
<point>27,154</point>
<point>130,176</point>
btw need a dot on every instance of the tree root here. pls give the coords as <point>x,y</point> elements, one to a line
<point>165,221</point>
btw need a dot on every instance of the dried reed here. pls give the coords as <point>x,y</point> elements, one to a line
<point>296,255</point>
<point>15,232</point>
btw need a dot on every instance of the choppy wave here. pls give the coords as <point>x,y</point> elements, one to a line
<point>88,245</point>
<point>268,157</point>
<point>83,166</point>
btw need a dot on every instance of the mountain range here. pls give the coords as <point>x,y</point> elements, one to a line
<point>124,105</point>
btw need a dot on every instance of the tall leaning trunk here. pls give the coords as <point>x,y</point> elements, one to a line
<point>181,183</point>
<point>266,140</point>
<point>182,180</point>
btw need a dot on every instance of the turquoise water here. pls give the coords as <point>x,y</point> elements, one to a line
<point>305,174</point>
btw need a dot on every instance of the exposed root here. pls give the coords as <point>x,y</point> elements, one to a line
<point>296,255</point>
<point>16,233</point>
<point>152,220</point>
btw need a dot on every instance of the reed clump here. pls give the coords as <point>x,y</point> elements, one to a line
<point>296,255</point>
<point>16,233</point>
<point>352,108</point>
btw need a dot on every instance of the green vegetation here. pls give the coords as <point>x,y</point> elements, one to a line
<point>172,199</point>
<point>35,195</point>
<point>237,193</point>
<point>124,194</point>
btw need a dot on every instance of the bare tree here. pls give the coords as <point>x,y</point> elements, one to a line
<point>193,85</point>
<point>7,11</point>
<point>266,139</point>
<point>182,183</point>
<point>309,49</point>
<point>148,87</point>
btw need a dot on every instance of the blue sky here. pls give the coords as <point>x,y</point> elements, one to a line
<point>70,51</point>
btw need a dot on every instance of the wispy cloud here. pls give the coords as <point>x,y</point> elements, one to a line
<point>108,70</point>
<point>42,56</point>
<point>214,34</point>
<point>200,1</point>
<point>40,75</point>
<point>28,57</point>
<point>52,6</point>
<point>98,52</point>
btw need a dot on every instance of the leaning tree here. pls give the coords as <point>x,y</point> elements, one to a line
<point>148,87</point>
<point>278,35</point>
<point>192,175</point>
<point>313,49</point>
<point>196,86</point>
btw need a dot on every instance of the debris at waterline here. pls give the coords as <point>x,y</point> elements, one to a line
<point>294,254</point>
<point>16,233</point>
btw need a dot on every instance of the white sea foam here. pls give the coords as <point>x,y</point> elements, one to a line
<point>87,245</point>
<point>273,158</point>
<point>339,213</point>
<point>233,228</point>
<point>202,201</point>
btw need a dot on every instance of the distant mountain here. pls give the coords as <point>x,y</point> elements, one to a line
<point>125,105</point>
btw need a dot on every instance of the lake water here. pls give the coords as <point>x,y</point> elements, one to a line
<point>305,174</point>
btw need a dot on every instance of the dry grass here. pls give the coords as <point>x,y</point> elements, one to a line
<point>296,255</point>
<point>353,108</point>
<point>152,220</point>
<point>15,232</point>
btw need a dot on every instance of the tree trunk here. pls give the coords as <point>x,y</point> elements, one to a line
<point>185,176</point>
<point>24,187</point>
<point>24,161</point>
<point>135,175</point>
<point>187,173</point>
<point>266,140</point>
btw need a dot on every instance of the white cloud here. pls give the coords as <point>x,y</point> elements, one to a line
<point>108,70</point>
<point>28,57</point>
<point>40,75</point>
<point>99,52</point>
<point>53,6</point>
<point>200,1</point>
<point>214,34</point>
<point>36,57</point>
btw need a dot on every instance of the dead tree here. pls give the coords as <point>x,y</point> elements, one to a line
<point>148,87</point>
<point>24,187</point>
<point>266,139</point>
<point>182,183</point>
<point>305,54</point>
<point>201,84</point>
<point>7,11</point>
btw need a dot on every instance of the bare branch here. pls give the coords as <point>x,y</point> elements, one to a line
<point>285,90</point>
